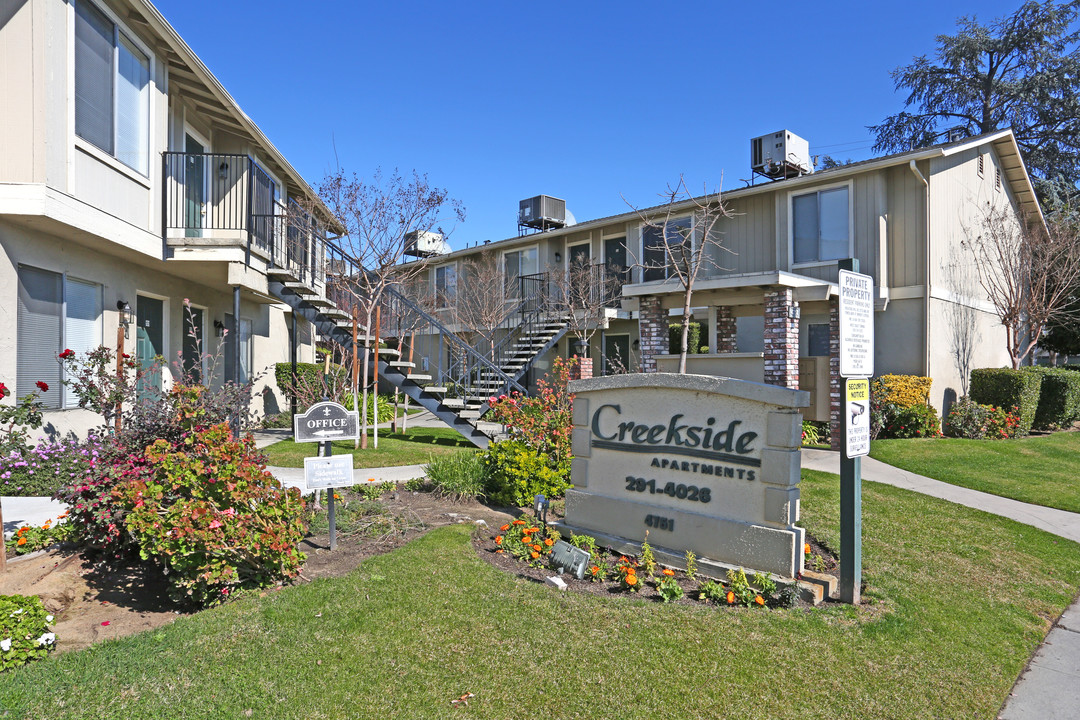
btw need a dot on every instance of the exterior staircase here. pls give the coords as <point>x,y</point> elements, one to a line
<point>455,380</point>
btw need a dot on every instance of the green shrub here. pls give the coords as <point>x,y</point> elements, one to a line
<point>917,421</point>
<point>973,421</point>
<point>24,630</point>
<point>693,339</point>
<point>307,375</point>
<point>208,512</point>
<point>514,474</point>
<point>386,406</point>
<point>1059,397</point>
<point>460,475</point>
<point>1008,388</point>
<point>903,390</point>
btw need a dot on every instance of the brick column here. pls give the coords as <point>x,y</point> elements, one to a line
<point>725,331</point>
<point>781,339</point>
<point>652,331</point>
<point>834,375</point>
<point>582,369</point>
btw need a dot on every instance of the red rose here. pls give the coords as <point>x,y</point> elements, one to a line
<point>69,353</point>
<point>42,385</point>
<point>3,390</point>
<point>126,356</point>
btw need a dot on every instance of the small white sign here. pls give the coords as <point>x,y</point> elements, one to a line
<point>857,406</point>
<point>328,472</point>
<point>856,324</point>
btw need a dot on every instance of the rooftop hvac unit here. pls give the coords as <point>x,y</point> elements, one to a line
<point>423,243</point>
<point>542,212</point>
<point>780,155</point>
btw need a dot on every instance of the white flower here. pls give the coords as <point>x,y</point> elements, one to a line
<point>49,619</point>
<point>47,639</point>
<point>5,644</point>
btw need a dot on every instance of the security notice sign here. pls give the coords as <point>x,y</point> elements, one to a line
<point>857,406</point>
<point>856,324</point>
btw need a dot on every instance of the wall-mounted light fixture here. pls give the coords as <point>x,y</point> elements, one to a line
<point>558,256</point>
<point>223,170</point>
<point>636,344</point>
<point>124,308</point>
<point>794,312</point>
<point>219,329</point>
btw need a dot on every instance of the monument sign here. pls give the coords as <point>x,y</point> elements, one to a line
<point>702,463</point>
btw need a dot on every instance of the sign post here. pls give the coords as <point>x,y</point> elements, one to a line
<point>323,423</point>
<point>856,366</point>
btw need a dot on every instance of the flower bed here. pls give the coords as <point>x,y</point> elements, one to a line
<point>524,546</point>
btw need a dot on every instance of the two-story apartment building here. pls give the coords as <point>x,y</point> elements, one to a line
<point>768,303</point>
<point>134,189</point>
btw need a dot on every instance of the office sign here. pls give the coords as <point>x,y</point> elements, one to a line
<point>856,324</point>
<point>326,421</point>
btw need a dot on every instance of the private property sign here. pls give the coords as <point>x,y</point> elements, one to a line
<point>326,421</point>
<point>856,324</point>
<point>698,462</point>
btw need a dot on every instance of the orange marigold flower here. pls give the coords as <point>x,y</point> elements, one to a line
<point>526,539</point>
<point>22,541</point>
<point>519,522</point>
<point>549,542</point>
<point>536,548</point>
<point>532,529</point>
<point>594,569</point>
<point>498,540</point>
<point>505,527</point>
<point>806,549</point>
<point>631,580</point>
<point>534,555</point>
<point>669,572</point>
<point>730,597</point>
<point>499,551</point>
<point>759,600</point>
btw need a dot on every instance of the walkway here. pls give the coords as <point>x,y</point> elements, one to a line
<point>1049,688</point>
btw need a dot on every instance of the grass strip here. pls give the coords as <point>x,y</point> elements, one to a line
<point>414,447</point>
<point>1040,470</point>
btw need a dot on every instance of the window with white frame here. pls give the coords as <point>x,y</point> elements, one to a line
<point>112,89</point>
<point>445,285</point>
<point>517,264</point>
<point>821,225</point>
<point>657,259</point>
<point>55,313</point>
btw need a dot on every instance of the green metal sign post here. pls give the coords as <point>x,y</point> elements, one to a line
<point>856,366</point>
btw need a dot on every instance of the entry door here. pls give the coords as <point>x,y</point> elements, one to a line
<point>149,345</point>
<point>194,186</point>
<point>616,353</point>
<point>615,257</point>
<point>579,258</point>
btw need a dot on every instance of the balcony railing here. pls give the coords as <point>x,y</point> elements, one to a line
<point>229,199</point>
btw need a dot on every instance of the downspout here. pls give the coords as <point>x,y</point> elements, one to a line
<point>926,286</point>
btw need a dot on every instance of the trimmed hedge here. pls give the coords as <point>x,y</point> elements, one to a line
<point>693,341</point>
<point>1059,398</point>
<point>1008,388</point>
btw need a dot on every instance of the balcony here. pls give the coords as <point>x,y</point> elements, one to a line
<point>229,208</point>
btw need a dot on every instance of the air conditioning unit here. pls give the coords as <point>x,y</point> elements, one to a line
<point>542,212</point>
<point>424,243</point>
<point>780,155</point>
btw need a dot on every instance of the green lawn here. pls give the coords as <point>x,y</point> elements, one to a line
<point>414,447</point>
<point>958,602</point>
<point>1041,470</point>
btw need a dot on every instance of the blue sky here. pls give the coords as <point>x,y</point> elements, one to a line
<point>590,102</point>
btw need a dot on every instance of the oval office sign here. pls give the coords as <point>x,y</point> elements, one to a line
<point>326,421</point>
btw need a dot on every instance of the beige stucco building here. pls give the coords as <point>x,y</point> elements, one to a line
<point>129,177</point>
<point>768,301</point>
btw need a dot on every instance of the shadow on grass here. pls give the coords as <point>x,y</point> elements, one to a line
<point>425,438</point>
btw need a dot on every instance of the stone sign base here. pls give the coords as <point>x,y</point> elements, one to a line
<point>712,539</point>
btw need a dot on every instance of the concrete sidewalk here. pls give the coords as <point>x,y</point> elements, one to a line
<point>19,511</point>
<point>1049,688</point>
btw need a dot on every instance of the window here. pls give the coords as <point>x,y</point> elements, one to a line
<point>656,260</point>
<point>55,313</point>
<point>818,340</point>
<point>821,225</point>
<point>518,264</point>
<point>112,89</point>
<point>445,286</point>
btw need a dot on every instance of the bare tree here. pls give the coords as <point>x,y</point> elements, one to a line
<point>376,216</point>
<point>1028,270</point>
<point>681,239</point>
<point>480,302</point>
<point>582,293</point>
<point>961,279</point>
